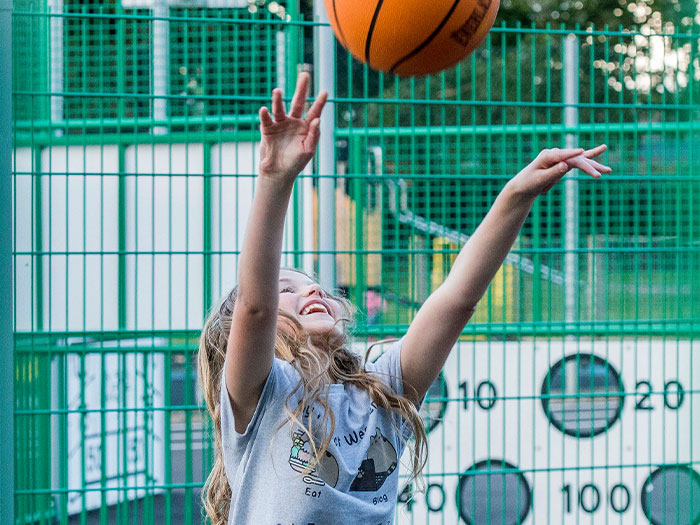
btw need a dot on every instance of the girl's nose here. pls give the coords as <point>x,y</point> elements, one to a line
<point>314,288</point>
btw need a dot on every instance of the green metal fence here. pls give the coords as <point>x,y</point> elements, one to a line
<point>571,396</point>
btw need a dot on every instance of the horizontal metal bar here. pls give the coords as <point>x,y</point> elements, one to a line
<point>547,104</point>
<point>111,335</point>
<point>117,410</point>
<point>122,488</point>
<point>142,17</point>
<point>54,349</point>
<point>371,177</point>
<point>148,96</point>
<point>428,399</point>
<point>602,330</point>
<point>94,126</point>
<point>540,329</point>
<point>402,251</point>
<point>29,139</point>
<point>97,124</point>
<point>503,28</point>
<point>587,468</point>
<point>494,471</point>
<point>520,129</point>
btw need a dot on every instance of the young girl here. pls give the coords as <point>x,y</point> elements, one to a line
<point>305,431</point>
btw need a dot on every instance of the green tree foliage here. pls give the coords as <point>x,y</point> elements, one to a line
<point>599,13</point>
<point>618,64</point>
<point>637,68</point>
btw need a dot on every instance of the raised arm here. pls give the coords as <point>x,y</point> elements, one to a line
<point>444,314</point>
<point>288,142</point>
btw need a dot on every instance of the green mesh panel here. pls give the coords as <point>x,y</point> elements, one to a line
<point>134,135</point>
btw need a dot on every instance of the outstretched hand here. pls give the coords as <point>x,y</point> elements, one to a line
<point>289,140</point>
<point>552,164</point>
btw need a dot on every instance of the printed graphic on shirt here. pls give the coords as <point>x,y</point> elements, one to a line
<point>380,462</point>
<point>324,473</point>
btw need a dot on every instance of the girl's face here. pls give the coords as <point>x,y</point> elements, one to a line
<point>305,300</point>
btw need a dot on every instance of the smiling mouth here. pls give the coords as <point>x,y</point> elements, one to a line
<point>314,308</point>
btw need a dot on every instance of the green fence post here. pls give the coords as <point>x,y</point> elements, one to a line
<point>7,401</point>
<point>324,72</point>
<point>571,195</point>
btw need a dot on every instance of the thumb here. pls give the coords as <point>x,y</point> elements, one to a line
<point>557,171</point>
<point>314,134</point>
<point>553,156</point>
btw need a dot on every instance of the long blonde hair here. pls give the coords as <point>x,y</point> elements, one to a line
<point>316,368</point>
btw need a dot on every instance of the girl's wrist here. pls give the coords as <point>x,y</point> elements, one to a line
<point>276,180</point>
<point>516,197</point>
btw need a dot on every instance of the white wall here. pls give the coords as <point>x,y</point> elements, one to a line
<point>164,233</point>
<point>164,227</point>
<point>23,216</point>
<point>517,429</point>
<point>79,213</point>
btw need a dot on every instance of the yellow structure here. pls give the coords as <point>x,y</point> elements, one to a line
<point>499,302</point>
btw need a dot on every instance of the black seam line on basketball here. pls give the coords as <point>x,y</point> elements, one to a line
<point>427,41</point>
<point>368,42</point>
<point>340,30</point>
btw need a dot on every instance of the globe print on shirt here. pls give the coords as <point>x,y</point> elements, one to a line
<point>380,461</point>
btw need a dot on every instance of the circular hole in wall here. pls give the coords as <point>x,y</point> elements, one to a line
<point>435,404</point>
<point>493,491</point>
<point>671,494</point>
<point>582,395</point>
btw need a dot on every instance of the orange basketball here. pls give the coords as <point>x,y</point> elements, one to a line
<point>411,37</point>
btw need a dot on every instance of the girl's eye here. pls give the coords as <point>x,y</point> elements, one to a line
<point>288,289</point>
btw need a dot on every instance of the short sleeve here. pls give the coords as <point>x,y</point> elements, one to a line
<point>388,368</point>
<point>228,428</point>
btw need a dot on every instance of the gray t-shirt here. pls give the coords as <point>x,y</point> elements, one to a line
<point>357,480</point>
